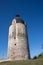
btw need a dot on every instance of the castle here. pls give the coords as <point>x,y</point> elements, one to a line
<point>18,48</point>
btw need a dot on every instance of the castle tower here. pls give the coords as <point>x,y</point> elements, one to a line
<point>17,40</point>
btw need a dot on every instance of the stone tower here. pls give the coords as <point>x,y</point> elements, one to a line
<point>17,40</point>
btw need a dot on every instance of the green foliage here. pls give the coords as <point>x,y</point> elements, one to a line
<point>35,57</point>
<point>40,56</point>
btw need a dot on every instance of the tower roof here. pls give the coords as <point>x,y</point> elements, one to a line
<point>17,15</point>
<point>19,19</point>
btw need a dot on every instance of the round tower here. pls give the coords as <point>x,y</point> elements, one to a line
<point>17,40</point>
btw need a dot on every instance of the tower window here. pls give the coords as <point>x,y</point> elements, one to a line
<point>15,44</point>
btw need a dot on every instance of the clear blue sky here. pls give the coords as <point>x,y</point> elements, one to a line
<point>32,12</point>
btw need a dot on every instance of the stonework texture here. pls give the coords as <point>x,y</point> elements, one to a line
<point>17,42</point>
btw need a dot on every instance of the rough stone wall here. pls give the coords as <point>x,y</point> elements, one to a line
<point>11,40</point>
<point>17,42</point>
<point>21,41</point>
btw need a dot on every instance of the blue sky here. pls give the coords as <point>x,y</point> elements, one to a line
<point>31,11</point>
